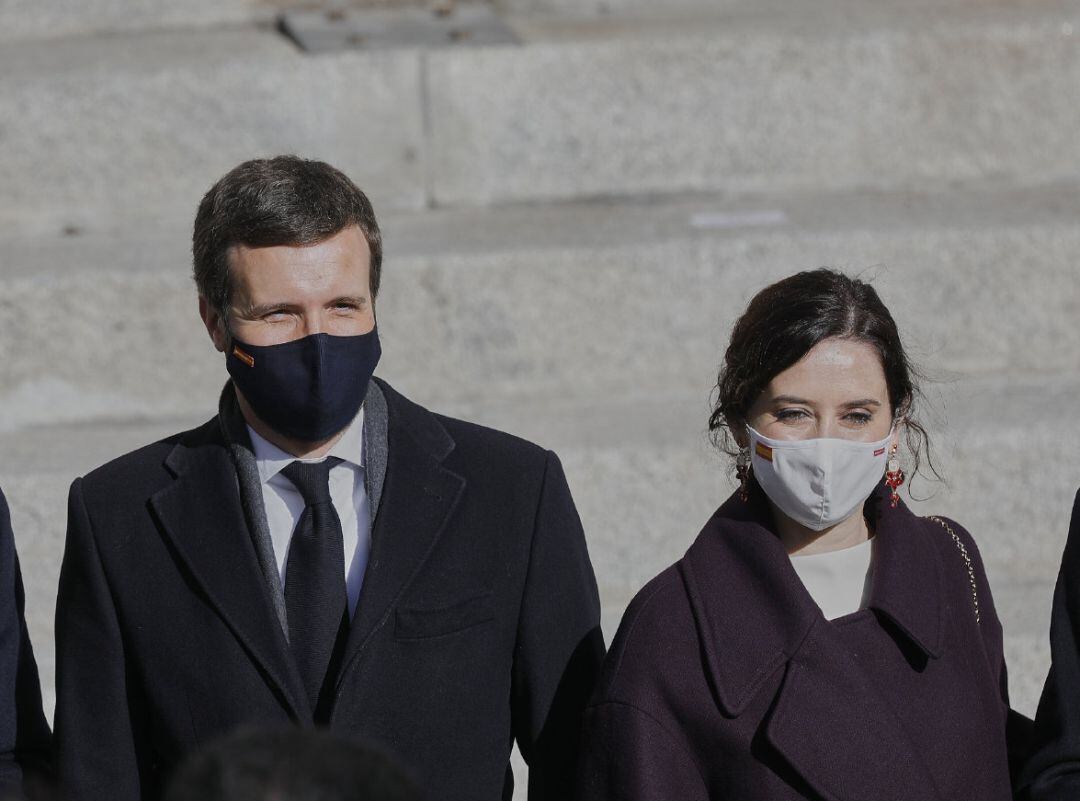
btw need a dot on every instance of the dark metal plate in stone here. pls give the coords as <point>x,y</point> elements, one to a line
<point>382,29</point>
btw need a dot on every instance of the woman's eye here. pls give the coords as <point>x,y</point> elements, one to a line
<point>859,418</point>
<point>790,414</point>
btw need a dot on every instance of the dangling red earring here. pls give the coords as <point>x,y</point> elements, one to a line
<point>742,473</point>
<point>894,476</point>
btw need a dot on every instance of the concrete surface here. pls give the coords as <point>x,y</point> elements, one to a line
<point>93,127</point>
<point>54,19</point>
<point>561,312</point>
<point>139,127</point>
<point>739,108</point>
<point>571,227</point>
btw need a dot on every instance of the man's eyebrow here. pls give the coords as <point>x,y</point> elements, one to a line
<point>355,300</point>
<point>252,310</point>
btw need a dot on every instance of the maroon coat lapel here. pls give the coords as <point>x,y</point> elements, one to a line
<point>755,618</point>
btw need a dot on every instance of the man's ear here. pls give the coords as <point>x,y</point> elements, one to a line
<point>215,324</point>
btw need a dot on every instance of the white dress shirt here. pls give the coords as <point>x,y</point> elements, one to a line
<point>838,581</point>
<point>284,504</point>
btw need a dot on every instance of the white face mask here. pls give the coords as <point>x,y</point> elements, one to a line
<point>818,482</point>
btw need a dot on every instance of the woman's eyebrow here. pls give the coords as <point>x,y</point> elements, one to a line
<point>790,399</point>
<point>862,402</point>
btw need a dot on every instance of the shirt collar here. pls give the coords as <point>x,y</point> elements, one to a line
<point>271,459</point>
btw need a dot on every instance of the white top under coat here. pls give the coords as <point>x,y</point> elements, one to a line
<point>284,504</point>
<point>838,581</point>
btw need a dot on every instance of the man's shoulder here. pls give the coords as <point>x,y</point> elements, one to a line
<point>468,439</point>
<point>496,443</point>
<point>146,467</point>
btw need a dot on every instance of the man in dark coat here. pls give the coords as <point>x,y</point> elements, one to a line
<point>1053,770</point>
<point>24,734</point>
<point>323,551</point>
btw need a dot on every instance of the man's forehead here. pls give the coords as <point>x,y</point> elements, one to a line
<point>333,264</point>
<point>347,242</point>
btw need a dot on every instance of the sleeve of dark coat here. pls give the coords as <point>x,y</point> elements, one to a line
<point>629,756</point>
<point>559,646</point>
<point>24,734</point>
<point>1053,770</point>
<point>96,727</point>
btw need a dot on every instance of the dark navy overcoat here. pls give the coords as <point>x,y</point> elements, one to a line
<point>726,682</point>
<point>24,734</point>
<point>478,624</point>
<point>1053,772</point>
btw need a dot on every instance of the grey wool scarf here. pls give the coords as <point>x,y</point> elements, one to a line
<point>234,430</point>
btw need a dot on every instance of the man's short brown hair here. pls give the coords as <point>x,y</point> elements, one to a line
<point>284,200</point>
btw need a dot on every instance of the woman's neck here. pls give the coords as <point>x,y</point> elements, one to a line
<point>802,541</point>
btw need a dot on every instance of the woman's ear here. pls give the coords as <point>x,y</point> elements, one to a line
<point>739,433</point>
<point>898,428</point>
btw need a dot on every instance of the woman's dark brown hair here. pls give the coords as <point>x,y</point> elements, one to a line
<point>780,326</point>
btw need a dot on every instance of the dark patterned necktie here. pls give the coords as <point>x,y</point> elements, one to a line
<point>315,597</point>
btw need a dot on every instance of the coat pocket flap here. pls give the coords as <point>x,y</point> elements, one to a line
<point>415,624</point>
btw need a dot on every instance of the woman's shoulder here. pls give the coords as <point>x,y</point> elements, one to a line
<point>656,638</point>
<point>953,538</point>
<point>963,567</point>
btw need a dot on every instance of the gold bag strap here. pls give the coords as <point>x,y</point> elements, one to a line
<point>967,561</point>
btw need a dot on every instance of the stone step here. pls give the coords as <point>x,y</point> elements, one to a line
<point>645,480</point>
<point>125,129</point>
<point>773,13</point>
<point>135,127</point>
<point>22,20</point>
<point>599,299</point>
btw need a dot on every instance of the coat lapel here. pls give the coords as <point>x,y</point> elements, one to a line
<point>418,497</point>
<point>755,618</point>
<point>201,515</point>
<point>832,727</point>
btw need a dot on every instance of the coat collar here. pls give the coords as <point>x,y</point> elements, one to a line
<point>200,513</point>
<point>755,618</point>
<point>419,497</point>
<point>753,613</point>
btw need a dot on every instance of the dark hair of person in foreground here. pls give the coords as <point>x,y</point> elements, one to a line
<point>290,764</point>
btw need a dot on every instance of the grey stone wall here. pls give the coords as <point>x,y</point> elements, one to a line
<point>571,226</point>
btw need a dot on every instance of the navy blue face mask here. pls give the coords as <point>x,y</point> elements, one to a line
<point>308,389</point>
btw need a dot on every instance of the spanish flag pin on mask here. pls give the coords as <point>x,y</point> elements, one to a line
<point>246,358</point>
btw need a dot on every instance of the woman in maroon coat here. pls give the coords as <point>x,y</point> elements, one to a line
<point>818,640</point>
